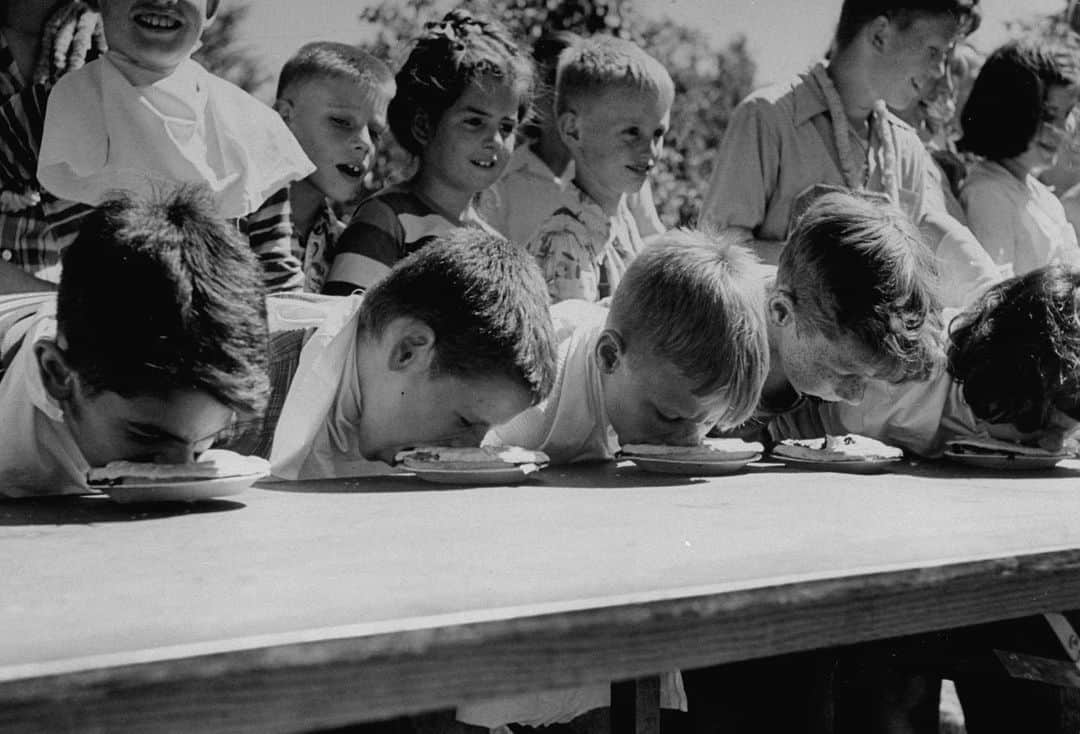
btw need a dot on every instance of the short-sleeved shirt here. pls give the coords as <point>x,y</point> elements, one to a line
<point>388,226</point>
<point>1020,223</point>
<point>780,142</point>
<point>582,251</point>
<point>570,424</point>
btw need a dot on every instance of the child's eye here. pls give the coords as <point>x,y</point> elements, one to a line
<point>341,122</point>
<point>666,418</point>
<point>145,439</point>
<point>473,122</point>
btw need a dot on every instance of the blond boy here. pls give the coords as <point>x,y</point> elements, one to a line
<point>613,108</point>
<point>333,97</point>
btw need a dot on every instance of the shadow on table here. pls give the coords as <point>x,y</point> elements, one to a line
<point>90,510</point>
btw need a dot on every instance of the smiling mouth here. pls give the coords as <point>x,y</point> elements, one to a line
<point>350,170</point>
<point>157,21</point>
<point>484,164</point>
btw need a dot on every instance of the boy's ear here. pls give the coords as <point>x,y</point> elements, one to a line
<point>421,127</point>
<point>284,108</point>
<point>412,344</point>
<point>569,128</point>
<point>56,374</point>
<point>609,350</point>
<point>879,32</point>
<point>781,308</point>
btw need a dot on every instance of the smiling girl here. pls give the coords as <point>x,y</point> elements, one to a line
<point>460,96</point>
<point>1019,115</point>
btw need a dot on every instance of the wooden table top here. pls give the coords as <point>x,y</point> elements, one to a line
<point>317,603</point>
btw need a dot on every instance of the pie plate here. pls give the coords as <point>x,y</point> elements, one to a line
<point>668,465</point>
<point>861,466</point>
<point>185,491</point>
<point>1006,462</point>
<point>495,475</point>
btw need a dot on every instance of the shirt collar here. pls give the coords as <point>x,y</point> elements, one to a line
<point>808,100</point>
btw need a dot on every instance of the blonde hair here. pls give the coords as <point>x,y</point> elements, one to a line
<point>700,303</point>
<point>599,63</point>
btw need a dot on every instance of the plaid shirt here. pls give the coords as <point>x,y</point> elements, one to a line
<point>254,436</point>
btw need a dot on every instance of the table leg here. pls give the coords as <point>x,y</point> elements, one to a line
<point>635,706</point>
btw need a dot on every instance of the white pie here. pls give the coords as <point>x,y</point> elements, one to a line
<point>470,458</point>
<point>848,447</point>
<point>712,449</point>
<point>212,464</point>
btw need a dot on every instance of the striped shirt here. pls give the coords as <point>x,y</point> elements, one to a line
<point>34,238</point>
<point>387,227</point>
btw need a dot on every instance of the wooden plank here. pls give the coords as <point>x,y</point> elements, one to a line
<point>337,681</point>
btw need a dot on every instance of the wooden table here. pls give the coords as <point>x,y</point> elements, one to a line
<point>321,603</point>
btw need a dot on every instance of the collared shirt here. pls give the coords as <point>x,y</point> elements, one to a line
<point>780,142</point>
<point>38,453</point>
<point>570,424</point>
<point>582,251</point>
<point>1020,223</point>
<point>524,196</point>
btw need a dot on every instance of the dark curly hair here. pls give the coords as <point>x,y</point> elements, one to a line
<point>449,56</point>
<point>1008,102</point>
<point>158,294</point>
<point>1016,351</point>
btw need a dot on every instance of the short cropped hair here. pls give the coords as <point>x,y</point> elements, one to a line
<point>855,14</point>
<point>160,294</point>
<point>599,63</point>
<point>1007,103</point>
<point>857,268</point>
<point>700,304</point>
<point>1016,351</point>
<point>447,58</point>
<point>330,60</point>
<point>486,301</point>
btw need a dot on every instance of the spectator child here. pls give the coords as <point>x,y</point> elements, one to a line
<point>146,116</point>
<point>460,96</point>
<point>156,339</point>
<point>1017,117</point>
<point>455,339</point>
<point>832,126</point>
<point>530,189</point>
<point>333,97</point>
<point>613,103</point>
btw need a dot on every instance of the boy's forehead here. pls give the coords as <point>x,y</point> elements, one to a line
<point>341,92</point>
<point>623,101</point>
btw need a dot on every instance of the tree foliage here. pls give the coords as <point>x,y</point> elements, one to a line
<point>223,54</point>
<point>709,82</point>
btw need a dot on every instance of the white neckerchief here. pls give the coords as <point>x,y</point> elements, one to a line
<point>850,166</point>
<point>103,134</point>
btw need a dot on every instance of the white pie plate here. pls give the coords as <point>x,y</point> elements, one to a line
<point>1006,462</point>
<point>187,491</point>
<point>665,465</point>
<point>861,466</point>
<point>495,475</point>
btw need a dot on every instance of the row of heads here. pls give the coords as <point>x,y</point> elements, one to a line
<point>855,271</point>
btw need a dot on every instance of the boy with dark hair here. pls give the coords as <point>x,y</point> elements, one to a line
<point>833,126</point>
<point>156,340</point>
<point>333,97</point>
<point>455,339</point>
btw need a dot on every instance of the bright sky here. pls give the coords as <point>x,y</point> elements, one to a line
<point>784,35</point>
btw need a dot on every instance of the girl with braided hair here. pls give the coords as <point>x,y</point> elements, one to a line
<point>461,95</point>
